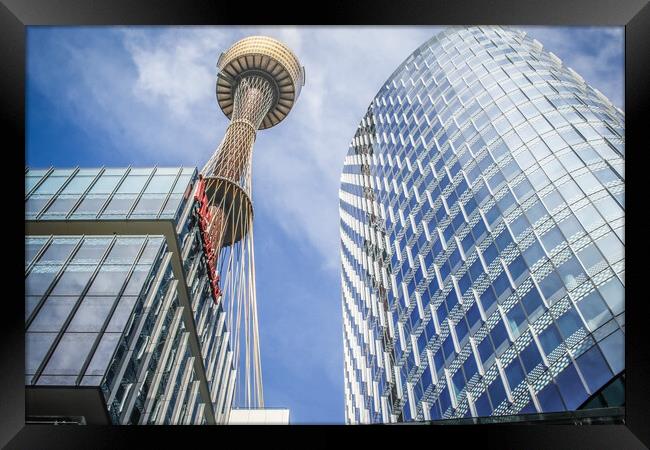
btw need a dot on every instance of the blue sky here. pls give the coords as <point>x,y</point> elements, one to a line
<point>116,96</point>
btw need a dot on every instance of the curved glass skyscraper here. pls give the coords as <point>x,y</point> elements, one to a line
<point>482,212</point>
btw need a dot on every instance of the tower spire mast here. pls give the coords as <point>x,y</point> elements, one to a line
<point>258,82</point>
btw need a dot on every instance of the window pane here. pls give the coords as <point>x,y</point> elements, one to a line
<point>570,227</point>
<point>35,203</point>
<point>609,208</point>
<point>550,339</point>
<point>517,320</point>
<point>53,314</point>
<point>119,205</point>
<point>151,250</point>
<point>571,272</point>
<point>488,298</point>
<point>105,184</point>
<point>594,310</point>
<point>124,251</point>
<point>589,218</point>
<point>461,330</point>
<point>121,314</point>
<point>571,388</point>
<point>167,171</point>
<point>588,183</point>
<point>530,356</point>
<point>93,380</point>
<point>552,287</point>
<point>32,247</point>
<point>160,184</point>
<point>133,184</point>
<point>486,351</point>
<point>552,238</point>
<point>482,405</point>
<point>497,392</point>
<point>613,347</point>
<point>70,354</point>
<point>91,250</point>
<point>499,335</point>
<point>141,171</point>
<point>502,286</point>
<point>36,346</point>
<point>88,172</point>
<point>569,323</point>
<point>51,185</point>
<point>614,294</point>
<point>78,184</point>
<point>171,206</point>
<point>515,374</point>
<point>90,205</point>
<point>103,354</point>
<point>533,254</point>
<point>182,183</point>
<point>470,366</point>
<point>611,247</point>
<point>535,212</point>
<point>39,279</point>
<point>92,314</point>
<point>523,189</point>
<point>115,171</point>
<point>73,280</point>
<point>58,251</point>
<point>590,256</point>
<point>109,280</point>
<point>594,369</point>
<point>31,181</point>
<point>62,205</point>
<point>148,205</point>
<point>138,278</point>
<point>549,399</point>
<point>62,172</point>
<point>36,172</point>
<point>30,305</point>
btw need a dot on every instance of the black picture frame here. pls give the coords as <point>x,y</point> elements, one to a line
<point>16,15</point>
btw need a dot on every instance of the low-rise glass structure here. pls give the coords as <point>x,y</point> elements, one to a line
<point>121,323</point>
<point>482,237</point>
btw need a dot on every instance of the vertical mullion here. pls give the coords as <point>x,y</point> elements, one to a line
<point>40,253</point>
<point>85,193</point>
<point>112,194</point>
<point>57,193</point>
<point>102,330</point>
<point>164,203</point>
<point>46,175</point>
<point>146,184</point>
<point>54,281</point>
<point>71,314</point>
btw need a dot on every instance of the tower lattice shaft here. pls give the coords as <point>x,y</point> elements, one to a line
<point>258,83</point>
<point>232,161</point>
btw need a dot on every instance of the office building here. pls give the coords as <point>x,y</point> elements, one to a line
<point>482,237</point>
<point>122,325</point>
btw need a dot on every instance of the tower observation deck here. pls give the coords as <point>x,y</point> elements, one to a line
<point>258,82</point>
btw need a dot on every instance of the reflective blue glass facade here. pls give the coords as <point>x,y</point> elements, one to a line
<point>106,193</point>
<point>482,236</point>
<point>117,295</point>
